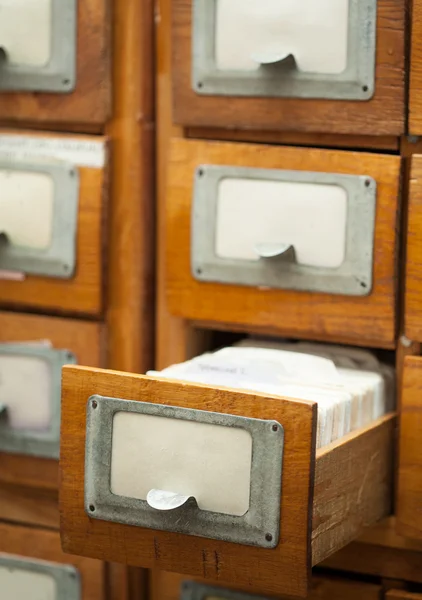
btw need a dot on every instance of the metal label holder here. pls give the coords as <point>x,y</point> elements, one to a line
<point>59,259</point>
<point>284,80</point>
<point>279,270</point>
<point>260,526</point>
<point>59,75</point>
<point>45,444</point>
<point>191,590</point>
<point>66,577</point>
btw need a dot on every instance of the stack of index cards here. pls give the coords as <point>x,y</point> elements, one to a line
<point>351,387</point>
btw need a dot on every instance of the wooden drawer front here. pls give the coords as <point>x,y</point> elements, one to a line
<point>415,105</point>
<point>409,518</point>
<point>58,72</point>
<point>171,586</point>
<point>56,260</point>
<point>319,506</point>
<point>367,320</point>
<point>207,96</point>
<point>402,595</point>
<point>413,306</point>
<point>33,466</point>
<point>37,563</point>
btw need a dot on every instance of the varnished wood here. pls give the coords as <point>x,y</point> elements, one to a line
<point>44,545</point>
<point>362,466</point>
<point>369,321</point>
<point>415,102</point>
<point>384,114</point>
<point>130,314</point>
<point>402,595</point>
<point>287,138</point>
<point>413,301</point>
<point>87,341</point>
<point>39,507</point>
<point>90,102</point>
<point>166,586</point>
<point>83,293</point>
<point>210,559</point>
<point>353,487</point>
<point>409,517</point>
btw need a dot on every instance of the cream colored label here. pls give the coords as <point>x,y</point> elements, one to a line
<point>26,31</point>
<point>82,153</point>
<point>311,217</point>
<point>210,462</point>
<point>26,391</point>
<point>26,208</point>
<point>18,584</point>
<point>314,31</point>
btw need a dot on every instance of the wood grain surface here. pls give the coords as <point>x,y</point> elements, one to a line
<point>413,292</point>
<point>83,294</point>
<point>44,545</point>
<point>384,114</point>
<point>167,586</point>
<point>368,321</point>
<point>409,497</point>
<point>415,100</point>
<point>353,486</point>
<point>89,105</point>
<point>255,567</point>
<point>87,341</point>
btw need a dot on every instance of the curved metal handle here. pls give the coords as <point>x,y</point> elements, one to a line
<point>285,252</point>
<point>163,500</point>
<point>275,60</point>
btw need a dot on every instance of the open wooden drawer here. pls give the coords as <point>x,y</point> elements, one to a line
<point>32,565</point>
<point>301,504</point>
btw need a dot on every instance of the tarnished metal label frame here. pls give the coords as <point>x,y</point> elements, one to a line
<point>66,577</point>
<point>352,278</point>
<point>59,74</point>
<point>357,82</point>
<point>59,259</point>
<point>192,590</point>
<point>260,526</point>
<point>45,444</point>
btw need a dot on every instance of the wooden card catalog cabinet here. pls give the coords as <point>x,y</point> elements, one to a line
<point>33,350</point>
<point>415,104</point>
<point>276,239</point>
<point>52,206</point>
<point>340,70</point>
<point>212,482</point>
<point>60,50</point>
<point>32,565</point>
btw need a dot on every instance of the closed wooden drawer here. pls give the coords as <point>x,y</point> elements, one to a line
<point>170,586</point>
<point>33,564</point>
<point>55,63</point>
<point>243,66</point>
<point>409,517</point>
<point>415,105</point>
<point>53,196</point>
<point>335,275</point>
<point>269,536</point>
<point>413,303</point>
<point>32,352</point>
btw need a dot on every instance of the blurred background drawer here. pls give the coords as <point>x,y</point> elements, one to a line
<point>33,564</point>
<point>32,350</point>
<point>55,65</point>
<point>413,284</point>
<point>237,65</point>
<point>415,103</point>
<point>171,586</point>
<point>53,196</point>
<point>334,277</point>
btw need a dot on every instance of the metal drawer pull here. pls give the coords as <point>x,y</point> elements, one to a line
<point>162,500</point>
<point>285,252</point>
<point>275,60</point>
